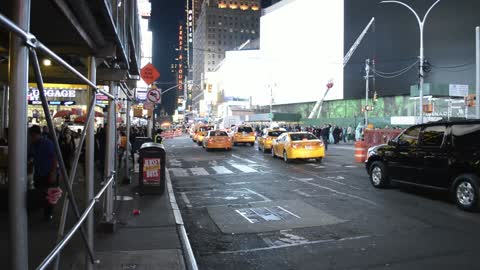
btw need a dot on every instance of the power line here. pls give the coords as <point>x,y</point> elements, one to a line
<point>391,75</point>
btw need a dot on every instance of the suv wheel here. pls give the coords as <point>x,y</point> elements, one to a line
<point>466,192</point>
<point>378,175</point>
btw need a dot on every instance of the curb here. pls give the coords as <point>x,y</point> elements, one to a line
<point>189,256</point>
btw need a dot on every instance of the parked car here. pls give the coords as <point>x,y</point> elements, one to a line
<point>440,155</point>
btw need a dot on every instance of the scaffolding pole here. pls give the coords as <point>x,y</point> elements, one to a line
<point>17,158</point>
<point>89,163</point>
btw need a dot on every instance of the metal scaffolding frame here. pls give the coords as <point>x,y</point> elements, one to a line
<point>24,44</point>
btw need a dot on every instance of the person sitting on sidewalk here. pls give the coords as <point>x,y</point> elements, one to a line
<point>42,153</point>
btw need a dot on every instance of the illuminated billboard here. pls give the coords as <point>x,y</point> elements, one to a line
<point>302,46</point>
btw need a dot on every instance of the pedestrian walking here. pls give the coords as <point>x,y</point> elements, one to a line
<point>45,162</point>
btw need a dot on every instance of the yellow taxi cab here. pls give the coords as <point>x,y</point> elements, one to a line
<point>201,133</point>
<point>298,145</point>
<point>264,142</point>
<point>217,139</point>
<point>243,134</point>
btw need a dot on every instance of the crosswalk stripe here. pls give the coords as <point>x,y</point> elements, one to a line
<point>179,172</point>
<point>198,171</point>
<point>244,168</point>
<point>221,170</point>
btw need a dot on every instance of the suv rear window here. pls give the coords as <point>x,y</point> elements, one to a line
<point>433,136</point>
<point>245,129</point>
<point>275,133</point>
<point>466,136</point>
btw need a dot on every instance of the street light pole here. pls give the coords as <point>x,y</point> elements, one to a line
<point>477,90</point>
<point>367,80</point>
<point>421,24</point>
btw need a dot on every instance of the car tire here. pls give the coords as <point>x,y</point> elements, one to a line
<point>466,192</point>
<point>235,144</point>
<point>378,175</point>
<point>265,150</point>
<point>285,157</point>
<point>252,144</point>
<point>258,147</point>
<point>199,143</point>
<point>207,149</point>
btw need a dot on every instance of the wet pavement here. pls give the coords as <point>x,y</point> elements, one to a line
<point>244,209</point>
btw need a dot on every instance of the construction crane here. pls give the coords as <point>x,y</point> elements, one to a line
<point>318,106</point>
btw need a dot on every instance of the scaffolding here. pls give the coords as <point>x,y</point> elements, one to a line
<point>23,49</point>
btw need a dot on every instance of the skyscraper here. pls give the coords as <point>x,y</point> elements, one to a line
<point>222,25</point>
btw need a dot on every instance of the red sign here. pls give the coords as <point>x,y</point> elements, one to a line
<point>149,73</point>
<point>151,171</point>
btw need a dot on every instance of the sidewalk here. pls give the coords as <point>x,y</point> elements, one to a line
<point>150,240</point>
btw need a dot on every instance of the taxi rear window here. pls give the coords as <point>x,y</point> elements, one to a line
<point>218,133</point>
<point>303,136</point>
<point>206,128</point>
<point>245,129</point>
<point>275,133</point>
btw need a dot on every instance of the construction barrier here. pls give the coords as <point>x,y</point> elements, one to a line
<point>360,151</point>
<point>374,137</point>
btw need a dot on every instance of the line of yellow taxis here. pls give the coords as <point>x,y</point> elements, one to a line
<point>280,143</point>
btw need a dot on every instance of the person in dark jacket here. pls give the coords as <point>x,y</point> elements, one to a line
<point>324,134</point>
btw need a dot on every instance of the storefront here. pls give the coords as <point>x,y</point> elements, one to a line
<point>66,103</point>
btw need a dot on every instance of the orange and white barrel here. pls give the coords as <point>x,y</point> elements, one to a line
<point>360,151</point>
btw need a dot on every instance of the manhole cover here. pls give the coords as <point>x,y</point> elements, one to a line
<point>123,198</point>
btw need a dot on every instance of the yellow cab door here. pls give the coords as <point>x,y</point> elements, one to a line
<point>280,145</point>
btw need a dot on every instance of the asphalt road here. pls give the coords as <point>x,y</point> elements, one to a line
<point>246,210</point>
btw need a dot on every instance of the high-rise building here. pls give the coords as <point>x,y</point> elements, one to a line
<point>222,25</point>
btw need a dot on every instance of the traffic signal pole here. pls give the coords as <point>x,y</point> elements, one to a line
<point>367,80</point>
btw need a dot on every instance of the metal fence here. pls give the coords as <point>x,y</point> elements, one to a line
<point>24,47</point>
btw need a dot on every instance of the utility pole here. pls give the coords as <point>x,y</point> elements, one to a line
<point>367,80</point>
<point>477,90</point>
<point>421,24</point>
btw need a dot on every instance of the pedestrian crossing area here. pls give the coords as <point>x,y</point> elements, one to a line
<point>229,169</point>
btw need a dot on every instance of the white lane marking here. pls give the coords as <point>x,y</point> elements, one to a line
<point>221,170</point>
<point>298,191</point>
<point>339,192</point>
<point>178,172</point>
<point>288,212</point>
<point>258,194</point>
<point>243,168</point>
<point>240,213</point>
<point>198,171</point>
<point>295,244</point>
<point>245,159</point>
<point>238,183</point>
<point>186,200</point>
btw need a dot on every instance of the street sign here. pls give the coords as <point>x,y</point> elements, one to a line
<point>149,73</point>
<point>154,95</point>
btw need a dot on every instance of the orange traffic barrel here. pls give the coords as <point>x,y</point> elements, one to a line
<point>360,151</point>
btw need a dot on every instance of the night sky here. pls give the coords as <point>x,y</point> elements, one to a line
<point>166,16</point>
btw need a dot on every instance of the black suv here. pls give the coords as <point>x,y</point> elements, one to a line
<point>439,155</point>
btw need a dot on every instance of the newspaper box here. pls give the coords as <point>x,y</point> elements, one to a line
<point>151,175</point>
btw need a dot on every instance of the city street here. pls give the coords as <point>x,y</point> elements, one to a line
<point>244,209</point>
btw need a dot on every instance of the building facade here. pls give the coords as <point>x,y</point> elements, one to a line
<point>222,25</point>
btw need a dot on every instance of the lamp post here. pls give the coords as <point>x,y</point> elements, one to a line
<point>421,24</point>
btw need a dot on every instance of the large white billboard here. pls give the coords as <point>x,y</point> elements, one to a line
<point>302,46</point>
